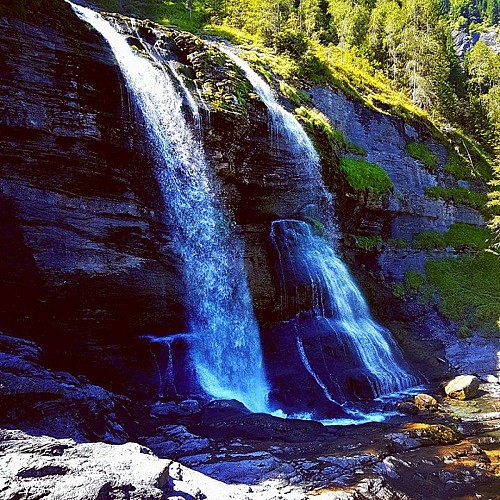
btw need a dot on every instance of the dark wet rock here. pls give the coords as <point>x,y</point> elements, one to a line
<point>166,408</point>
<point>407,407</point>
<point>294,388</point>
<point>462,387</point>
<point>43,401</point>
<point>228,405</point>
<point>417,435</point>
<point>257,426</point>
<point>190,406</point>
<point>161,408</point>
<point>175,441</point>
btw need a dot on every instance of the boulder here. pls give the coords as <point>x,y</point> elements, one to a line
<point>425,402</point>
<point>407,408</point>
<point>462,387</point>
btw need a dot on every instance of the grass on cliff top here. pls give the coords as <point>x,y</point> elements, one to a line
<point>331,65</point>
<point>342,68</point>
<point>166,12</point>
<point>469,288</point>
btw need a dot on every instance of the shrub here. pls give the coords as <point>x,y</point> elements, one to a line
<point>398,244</point>
<point>420,152</point>
<point>464,332</point>
<point>399,291</point>
<point>317,226</point>
<point>290,42</point>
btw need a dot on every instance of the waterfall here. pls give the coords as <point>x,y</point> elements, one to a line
<point>315,283</point>
<point>225,342</point>
<point>283,125</point>
<point>307,259</point>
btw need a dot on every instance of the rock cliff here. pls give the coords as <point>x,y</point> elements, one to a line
<point>84,258</point>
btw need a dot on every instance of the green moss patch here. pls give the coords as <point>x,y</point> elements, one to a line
<point>420,152</point>
<point>429,240</point>
<point>297,96</point>
<point>469,288</point>
<point>326,137</point>
<point>461,195</point>
<point>459,236</point>
<point>468,237</point>
<point>458,167</point>
<point>364,176</point>
<point>366,243</point>
<point>414,281</point>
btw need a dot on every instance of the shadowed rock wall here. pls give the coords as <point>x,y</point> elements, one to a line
<point>85,258</point>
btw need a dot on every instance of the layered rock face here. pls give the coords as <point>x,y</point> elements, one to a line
<point>407,211</point>
<point>85,256</point>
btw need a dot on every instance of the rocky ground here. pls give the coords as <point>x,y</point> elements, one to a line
<point>63,437</point>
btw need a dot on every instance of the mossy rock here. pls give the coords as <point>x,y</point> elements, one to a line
<point>418,435</point>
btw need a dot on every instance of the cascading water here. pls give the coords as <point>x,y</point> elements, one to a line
<point>318,293</point>
<point>283,125</point>
<point>305,258</point>
<point>225,343</point>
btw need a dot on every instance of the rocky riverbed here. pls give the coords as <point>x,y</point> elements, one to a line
<point>62,438</point>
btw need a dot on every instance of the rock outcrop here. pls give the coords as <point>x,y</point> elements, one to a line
<point>409,210</point>
<point>465,41</point>
<point>62,469</point>
<point>42,401</point>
